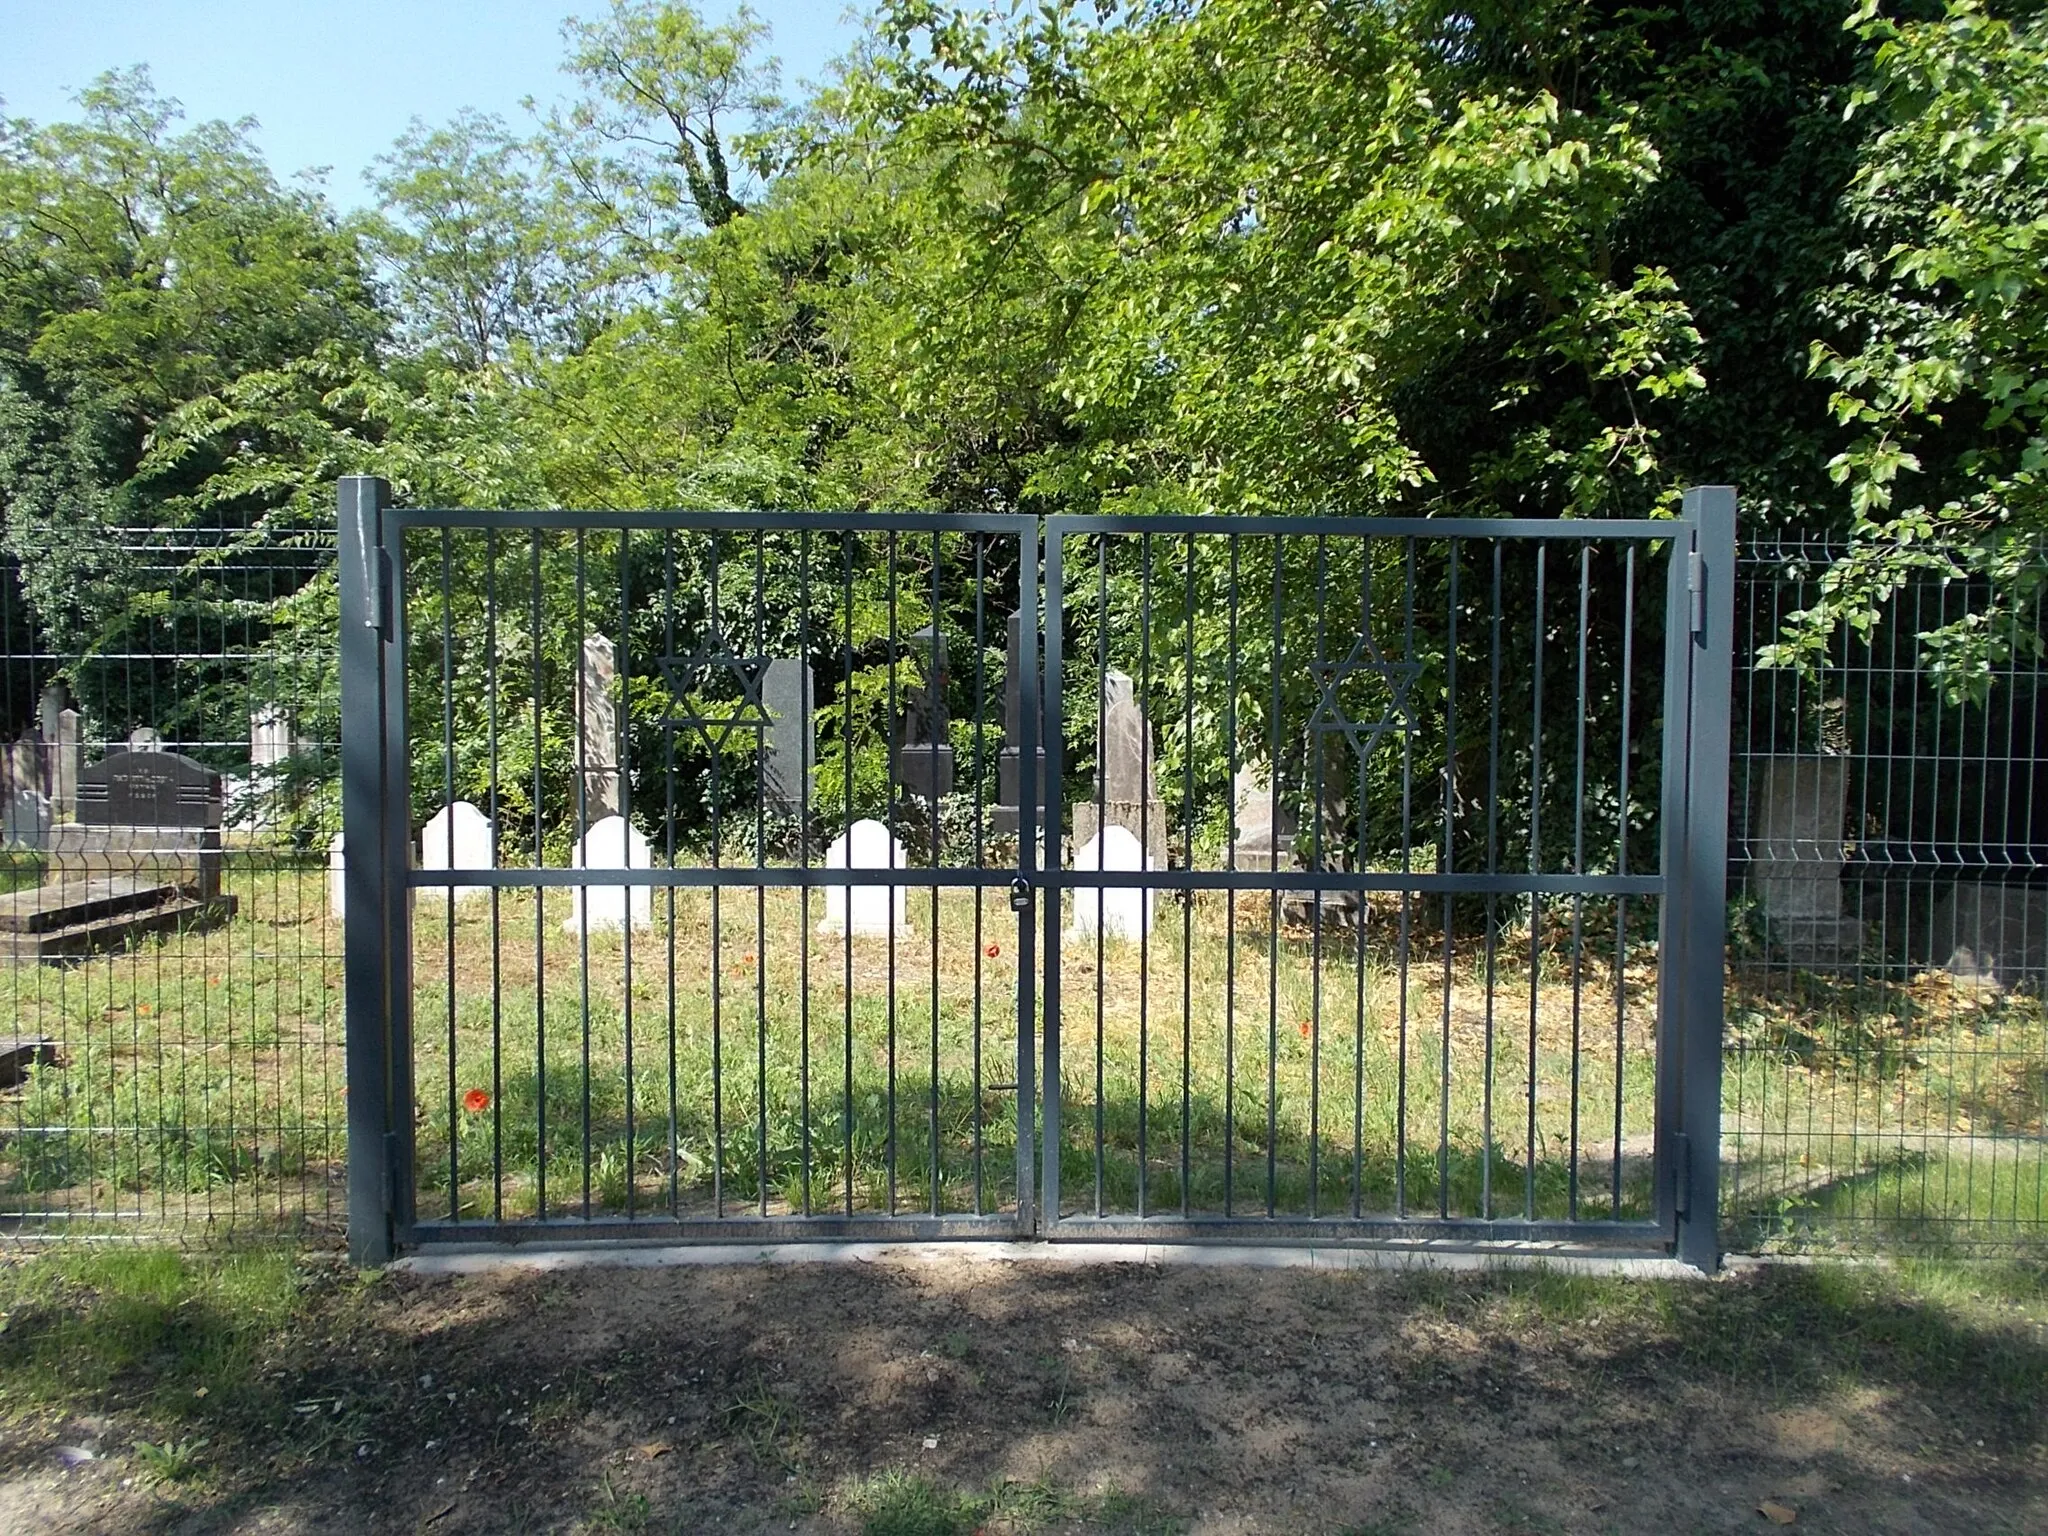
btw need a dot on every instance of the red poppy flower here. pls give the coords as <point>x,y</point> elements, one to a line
<point>476,1101</point>
<point>993,950</point>
<point>748,958</point>
<point>143,1008</point>
<point>1304,1029</point>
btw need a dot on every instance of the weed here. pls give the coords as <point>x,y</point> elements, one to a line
<point>174,1461</point>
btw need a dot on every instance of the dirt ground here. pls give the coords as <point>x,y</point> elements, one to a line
<point>929,1396</point>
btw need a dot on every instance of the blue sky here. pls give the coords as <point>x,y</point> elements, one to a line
<point>333,83</point>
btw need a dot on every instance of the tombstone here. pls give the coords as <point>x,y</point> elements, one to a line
<point>1125,793</point>
<point>790,746</point>
<point>1796,856</point>
<point>65,762</point>
<point>1986,932</point>
<point>1123,912</point>
<point>51,703</point>
<point>1012,781</point>
<point>597,724</point>
<point>21,765</point>
<point>859,910</point>
<point>337,877</point>
<point>143,857</point>
<point>270,736</point>
<point>924,749</point>
<point>145,738</point>
<point>613,843</point>
<point>25,823</point>
<point>458,837</point>
<point>1265,825</point>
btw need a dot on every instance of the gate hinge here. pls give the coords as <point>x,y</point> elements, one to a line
<point>1696,589</point>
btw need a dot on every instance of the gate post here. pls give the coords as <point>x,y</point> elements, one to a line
<point>376,822</point>
<point>1698,681</point>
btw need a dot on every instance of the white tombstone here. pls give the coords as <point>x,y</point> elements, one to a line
<point>865,909</point>
<point>337,878</point>
<point>611,843</point>
<point>1120,912</point>
<point>25,824</point>
<point>459,837</point>
<point>145,738</point>
<point>270,736</point>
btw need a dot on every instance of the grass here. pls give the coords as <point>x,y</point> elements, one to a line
<point>900,1503</point>
<point>771,1069</point>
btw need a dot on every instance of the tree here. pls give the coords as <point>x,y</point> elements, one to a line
<point>1940,351</point>
<point>472,247</point>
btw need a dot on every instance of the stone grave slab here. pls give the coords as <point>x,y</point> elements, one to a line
<point>1126,792</point>
<point>25,823</point>
<point>859,910</point>
<point>1120,913</point>
<point>143,857</point>
<point>457,837</point>
<point>612,843</point>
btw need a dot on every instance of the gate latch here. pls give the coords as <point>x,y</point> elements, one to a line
<point>1020,895</point>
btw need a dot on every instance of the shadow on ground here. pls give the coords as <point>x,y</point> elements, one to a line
<point>265,1392</point>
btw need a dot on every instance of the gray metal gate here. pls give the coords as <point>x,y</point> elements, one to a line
<point>1461,996</point>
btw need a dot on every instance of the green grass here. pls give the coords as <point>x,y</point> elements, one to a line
<point>900,1503</point>
<point>201,1079</point>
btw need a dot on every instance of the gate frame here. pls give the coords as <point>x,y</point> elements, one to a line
<point>376,815</point>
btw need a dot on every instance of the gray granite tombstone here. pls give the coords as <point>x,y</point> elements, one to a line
<point>924,749</point>
<point>790,744</point>
<point>1012,781</point>
<point>66,760</point>
<point>1263,826</point>
<point>1797,850</point>
<point>597,717</point>
<point>1125,793</point>
<point>25,823</point>
<point>143,857</point>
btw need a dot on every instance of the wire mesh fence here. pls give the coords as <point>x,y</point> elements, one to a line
<point>1886,1058</point>
<point>170,1019</point>
<point>180,1070</point>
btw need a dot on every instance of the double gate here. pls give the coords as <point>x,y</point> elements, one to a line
<point>766,876</point>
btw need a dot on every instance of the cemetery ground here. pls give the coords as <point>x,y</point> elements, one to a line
<point>270,1390</point>
<point>199,1076</point>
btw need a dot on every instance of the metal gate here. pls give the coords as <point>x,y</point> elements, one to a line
<point>1379,865</point>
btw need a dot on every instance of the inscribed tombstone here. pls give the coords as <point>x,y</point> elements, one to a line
<point>1121,913</point>
<point>865,909</point>
<point>458,837</point>
<point>270,736</point>
<point>613,843</point>
<point>597,724</point>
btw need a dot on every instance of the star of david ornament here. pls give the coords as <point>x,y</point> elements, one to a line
<point>687,674</point>
<point>1329,718</point>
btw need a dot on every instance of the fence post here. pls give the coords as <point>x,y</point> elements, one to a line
<point>1692,951</point>
<point>375,931</point>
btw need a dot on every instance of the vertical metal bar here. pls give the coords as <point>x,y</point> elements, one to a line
<point>1049,711</point>
<point>371,965</point>
<point>1579,868</point>
<point>1230,898</point>
<point>1031,817</point>
<point>540,941</point>
<point>1096,895</point>
<point>447,596</point>
<point>1447,863</point>
<point>1535,867</point>
<point>1704,873</point>
<point>1628,670</point>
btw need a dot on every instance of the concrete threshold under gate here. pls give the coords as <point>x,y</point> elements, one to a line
<point>1558,1258</point>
